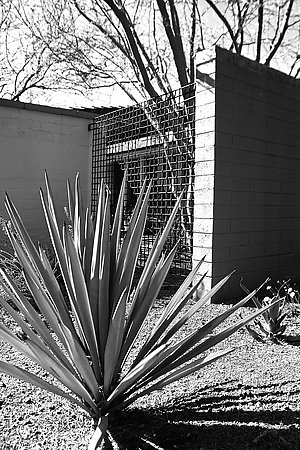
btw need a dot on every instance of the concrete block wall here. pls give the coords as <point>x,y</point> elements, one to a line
<point>36,138</point>
<point>204,181</point>
<point>256,177</point>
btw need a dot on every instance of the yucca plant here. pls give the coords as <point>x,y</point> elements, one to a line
<point>87,339</point>
<point>269,326</point>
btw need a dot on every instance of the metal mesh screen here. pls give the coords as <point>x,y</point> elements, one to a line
<point>153,140</point>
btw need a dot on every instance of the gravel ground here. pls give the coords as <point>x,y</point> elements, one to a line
<point>250,399</point>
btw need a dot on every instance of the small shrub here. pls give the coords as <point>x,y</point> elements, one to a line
<point>292,298</point>
<point>283,301</point>
<point>8,259</point>
<point>10,263</point>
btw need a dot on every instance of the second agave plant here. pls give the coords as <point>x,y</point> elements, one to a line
<point>85,335</point>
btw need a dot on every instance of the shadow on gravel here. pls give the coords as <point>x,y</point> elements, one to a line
<point>217,418</point>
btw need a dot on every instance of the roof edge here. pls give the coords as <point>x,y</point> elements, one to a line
<point>76,112</point>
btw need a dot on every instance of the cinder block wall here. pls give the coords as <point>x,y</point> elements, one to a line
<point>256,214</point>
<point>204,180</point>
<point>36,138</point>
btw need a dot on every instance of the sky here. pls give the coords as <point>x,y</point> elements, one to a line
<point>112,96</point>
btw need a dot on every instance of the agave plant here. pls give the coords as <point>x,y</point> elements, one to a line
<point>270,325</point>
<point>87,338</point>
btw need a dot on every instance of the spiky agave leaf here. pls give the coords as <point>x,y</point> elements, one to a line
<point>94,330</point>
<point>270,324</point>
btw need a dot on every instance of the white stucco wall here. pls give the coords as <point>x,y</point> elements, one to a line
<point>36,138</point>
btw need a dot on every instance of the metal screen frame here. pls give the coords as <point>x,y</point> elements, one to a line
<point>153,140</point>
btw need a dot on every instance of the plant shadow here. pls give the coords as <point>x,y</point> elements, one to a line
<point>218,417</point>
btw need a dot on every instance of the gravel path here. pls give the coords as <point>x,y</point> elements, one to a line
<point>248,400</point>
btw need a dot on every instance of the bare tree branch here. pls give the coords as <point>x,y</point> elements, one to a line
<point>226,23</point>
<point>192,43</point>
<point>173,33</point>
<point>122,17</point>
<point>260,29</point>
<point>282,34</point>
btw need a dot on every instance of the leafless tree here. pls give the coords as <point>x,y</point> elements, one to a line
<point>141,46</point>
<point>265,30</point>
<point>26,63</point>
<point>144,47</point>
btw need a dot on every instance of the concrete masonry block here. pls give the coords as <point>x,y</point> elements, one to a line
<point>224,139</point>
<point>200,252</point>
<point>258,211</point>
<point>275,149</point>
<point>263,263</point>
<point>250,143</point>
<point>204,168</point>
<point>281,174</point>
<point>276,111</point>
<point>272,161</point>
<point>288,260</point>
<point>232,184</point>
<point>264,185</point>
<point>205,266</point>
<point>278,137</point>
<point>205,211</point>
<point>246,225</point>
<point>246,251</point>
<point>224,168</point>
<point>289,90</point>
<point>221,240</point>
<point>203,196</point>
<point>202,240</point>
<point>288,211</point>
<point>289,188</point>
<point>246,88</point>
<point>224,81</point>
<point>244,115</point>
<point>271,198</point>
<point>296,243</point>
<point>221,226</point>
<point>249,198</point>
<point>252,171</point>
<point>205,97</point>
<point>239,128</point>
<point>235,100</point>
<point>222,197</point>
<point>223,268</point>
<point>204,139</point>
<point>224,110</point>
<point>205,125</point>
<point>204,182</point>
<point>204,153</point>
<point>290,104</point>
<point>282,223</point>
<point>282,167</point>
<point>262,237</point>
<point>231,211</point>
<point>216,255</point>
<point>279,248</point>
<point>205,111</point>
<point>283,124</point>
<point>203,225</point>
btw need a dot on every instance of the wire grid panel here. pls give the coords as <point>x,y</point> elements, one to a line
<point>153,140</point>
